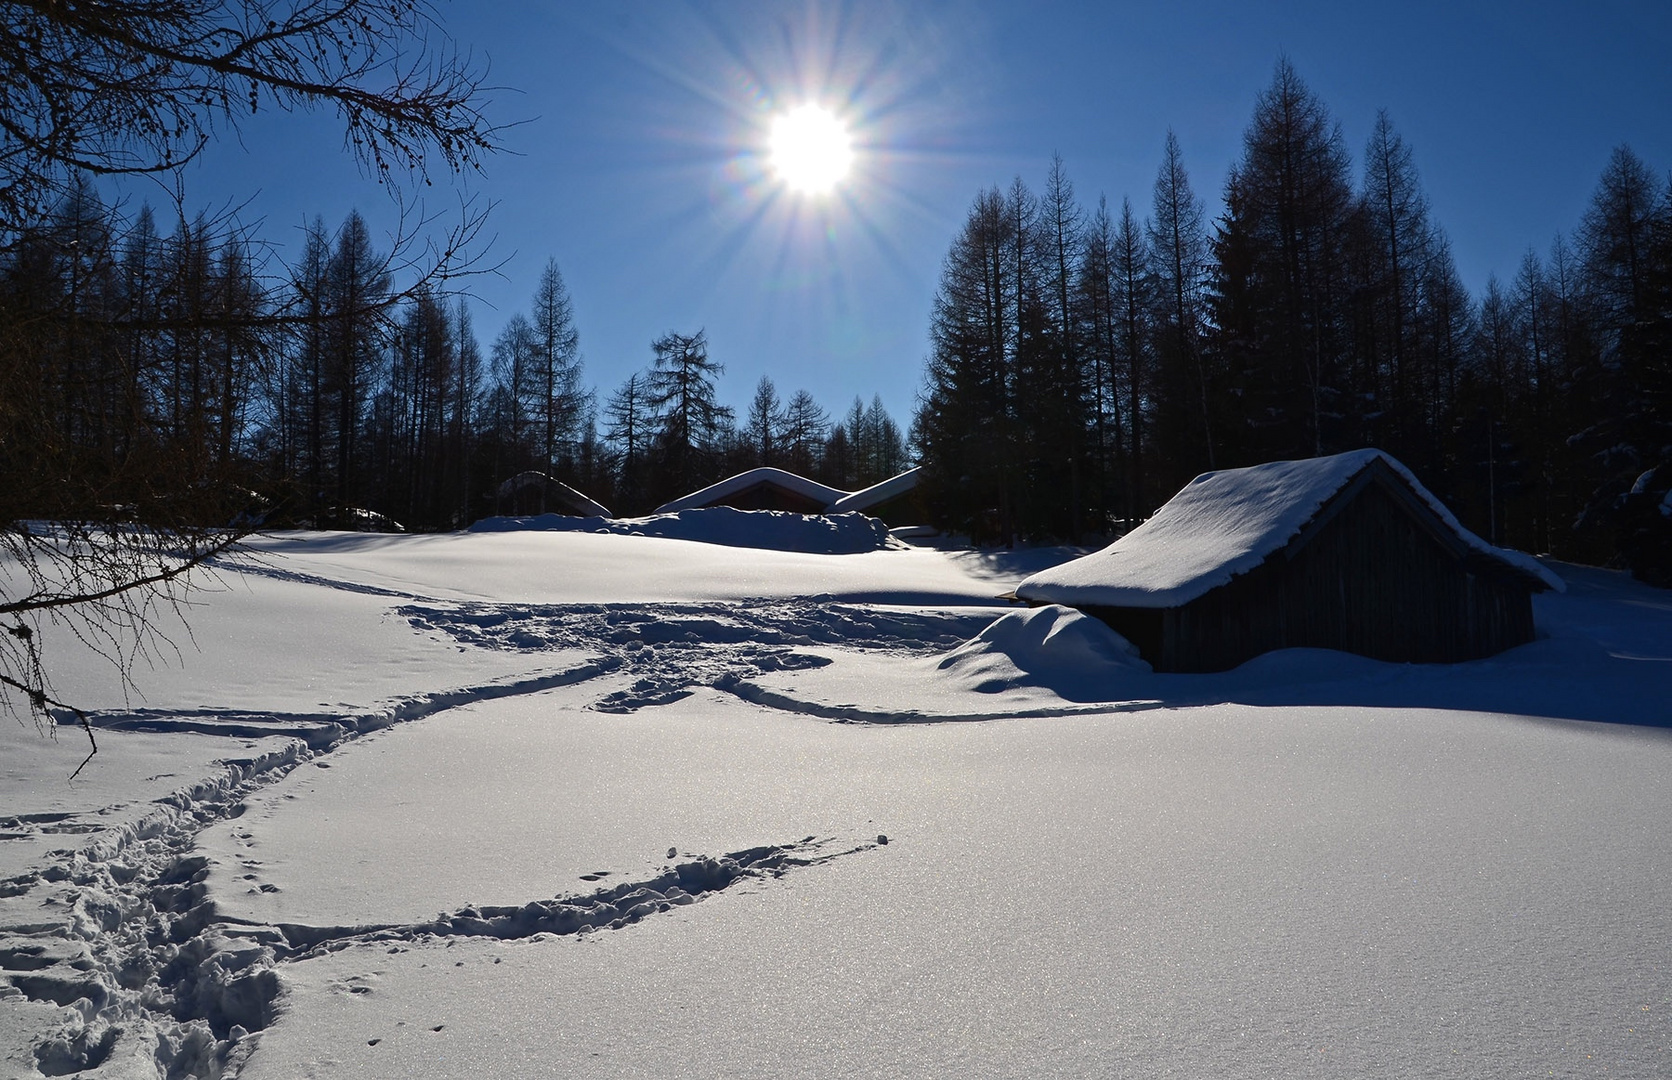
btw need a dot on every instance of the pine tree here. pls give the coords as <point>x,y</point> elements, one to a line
<point>961,427</point>
<point>1625,249</point>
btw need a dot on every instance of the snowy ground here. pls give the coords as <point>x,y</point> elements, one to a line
<point>444,807</point>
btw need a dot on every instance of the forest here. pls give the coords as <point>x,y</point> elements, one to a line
<point>1084,365</point>
<point>1081,365</point>
<point>323,393</point>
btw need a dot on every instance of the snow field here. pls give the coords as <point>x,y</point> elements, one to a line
<point>1313,865</point>
<point>1233,891</point>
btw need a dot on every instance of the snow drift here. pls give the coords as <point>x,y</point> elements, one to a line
<point>778,530</point>
<point>1054,646</point>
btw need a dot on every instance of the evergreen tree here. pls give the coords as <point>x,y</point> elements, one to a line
<point>765,424</point>
<point>1179,267</point>
<point>962,428</point>
<point>1284,277</point>
<point>805,426</point>
<point>557,401</point>
<point>357,296</point>
<point>630,424</point>
<point>1399,241</point>
<point>1625,254</point>
<point>680,391</point>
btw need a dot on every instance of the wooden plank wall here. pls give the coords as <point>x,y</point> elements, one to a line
<point>1371,581</point>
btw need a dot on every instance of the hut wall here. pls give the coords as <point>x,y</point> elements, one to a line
<point>902,509</point>
<point>1141,626</point>
<point>766,496</point>
<point>1372,580</point>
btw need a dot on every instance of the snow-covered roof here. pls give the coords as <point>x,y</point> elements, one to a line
<point>743,481</point>
<point>877,493</point>
<point>582,505</point>
<point>1226,523</point>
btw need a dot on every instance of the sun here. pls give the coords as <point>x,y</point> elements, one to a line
<point>811,150</point>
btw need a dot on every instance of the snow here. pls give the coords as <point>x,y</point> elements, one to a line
<point>1314,865</point>
<point>1226,523</point>
<point>777,530</point>
<point>878,493</point>
<point>557,489</point>
<point>743,481</point>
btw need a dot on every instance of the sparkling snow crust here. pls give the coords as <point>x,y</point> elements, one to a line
<point>424,807</point>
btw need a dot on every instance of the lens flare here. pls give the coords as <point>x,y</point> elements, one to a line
<point>811,151</point>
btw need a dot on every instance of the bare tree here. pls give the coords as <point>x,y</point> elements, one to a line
<point>141,87</point>
<point>99,89</point>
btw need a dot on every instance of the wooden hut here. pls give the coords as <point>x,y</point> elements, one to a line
<point>893,500</point>
<point>533,492</point>
<point>1346,552</point>
<point>760,489</point>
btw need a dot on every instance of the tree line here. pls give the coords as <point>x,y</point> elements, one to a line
<point>134,365</point>
<point>324,392</point>
<point>1084,364</point>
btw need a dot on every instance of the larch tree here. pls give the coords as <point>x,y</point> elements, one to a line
<point>764,425</point>
<point>1133,302</point>
<point>1399,242</point>
<point>961,428</point>
<point>140,88</point>
<point>557,398</point>
<point>1284,274</point>
<point>805,426</point>
<point>629,424</point>
<point>1178,248</point>
<point>680,390</point>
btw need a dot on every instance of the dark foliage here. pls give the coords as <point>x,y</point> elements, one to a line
<point>1083,367</point>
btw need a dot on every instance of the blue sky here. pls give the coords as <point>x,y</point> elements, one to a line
<point>635,158</point>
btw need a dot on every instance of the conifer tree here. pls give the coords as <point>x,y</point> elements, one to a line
<point>1179,266</point>
<point>765,423</point>
<point>557,400</point>
<point>680,391</point>
<point>1285,278</point>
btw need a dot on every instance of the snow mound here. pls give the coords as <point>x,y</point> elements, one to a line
<point>1054,646</point>
<point>778,530</point>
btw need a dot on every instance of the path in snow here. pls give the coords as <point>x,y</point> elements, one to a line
<point>128,957</point>
<point>111,941</point>
<point>153,947</point>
